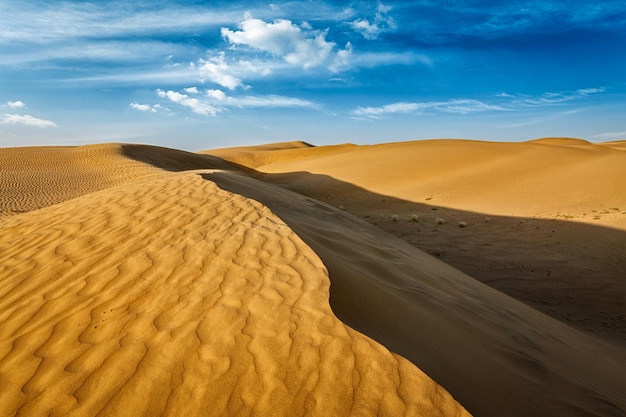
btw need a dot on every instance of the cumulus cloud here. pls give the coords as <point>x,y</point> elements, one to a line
<point>217,70</point>
<point>16,104</point>
<point>296,45</point>
<point>192,90</point>
<point>145,107</point>
<point>194,104</point>
<point>25,119</point>
<point>382,22</point>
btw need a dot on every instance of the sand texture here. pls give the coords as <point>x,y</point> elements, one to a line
<point>166,295</point>
<point>196,286</point>
<point>545,220</point>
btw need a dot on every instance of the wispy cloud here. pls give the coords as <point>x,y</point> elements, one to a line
<point>196,106</point>
<point>551,97</point>
<point>25,119</point>
<point>45,22</point>
<point>458,106</point>
<point>381,23</point>
<point>610,136</point>
<point>217,70</point>
<point>218,97</point>
<point>212,101</point>
<point>503,102</point>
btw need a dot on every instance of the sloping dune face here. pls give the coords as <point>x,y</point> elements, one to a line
<point>35,177</point>
<point>536,178</point>
<point>165,295</point>
<point>497,356</point>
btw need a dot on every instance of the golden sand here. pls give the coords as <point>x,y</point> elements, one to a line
<point>166,295</point>
<point>154,281</point>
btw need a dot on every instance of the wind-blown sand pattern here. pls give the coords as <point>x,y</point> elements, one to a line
<point>206,292</point>
<point>169,296</point>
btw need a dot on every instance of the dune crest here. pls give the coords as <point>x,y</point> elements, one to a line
<point>167,295</point>
<point>543,221</point>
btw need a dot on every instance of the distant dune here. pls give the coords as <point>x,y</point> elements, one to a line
<point>139,280</point>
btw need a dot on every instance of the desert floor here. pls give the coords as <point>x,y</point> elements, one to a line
<point>287,279</point>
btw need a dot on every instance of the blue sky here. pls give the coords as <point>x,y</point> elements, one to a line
<point>198,75</point>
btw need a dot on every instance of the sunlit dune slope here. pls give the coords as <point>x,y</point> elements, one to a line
<point>35,177</point>
<point>165,295</point>
<point>256,156</point>
<point>536,178</point>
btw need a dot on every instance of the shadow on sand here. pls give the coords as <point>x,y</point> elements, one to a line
<point>494,354</point>
<point>572,271</point>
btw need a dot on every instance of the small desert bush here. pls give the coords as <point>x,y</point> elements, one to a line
<point>394,217</point>
<point>439,220</point>
<point>462,224</point>
<point>342,208</point>
<point>415,218</point>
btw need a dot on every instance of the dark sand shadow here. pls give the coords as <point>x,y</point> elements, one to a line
<point>495,355</point>
<point>572,271</point>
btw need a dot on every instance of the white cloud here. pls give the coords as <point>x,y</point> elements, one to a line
<point>552,97</point>
<point>343,59</point>
<point>145,107</point>
<point>16,104</point>
<point>192,90</point>
<point>218,97</point>
<point>505,102</point>
<point>458,106</point>
<point>216,94</point>
<point>296,45</point>
<point>46,22</point>
<point>216,101</point>
<point>25,119</point>
<point>218,71</point>
<point>381,23</point>
<point>194,104</point>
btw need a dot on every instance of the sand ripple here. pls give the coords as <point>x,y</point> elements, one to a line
<point>166,295</point>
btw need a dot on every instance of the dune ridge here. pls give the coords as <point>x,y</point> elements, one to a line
<point>166,295</point>
<point>545,219</point>
<point>496,355</point>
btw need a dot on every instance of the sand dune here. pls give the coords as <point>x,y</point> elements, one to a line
<point>497,356</point>
<point>262,155</point>
<point>538,178</point>
<point>165,295</point>
<point>546,219</point>
<point>187,286</point>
